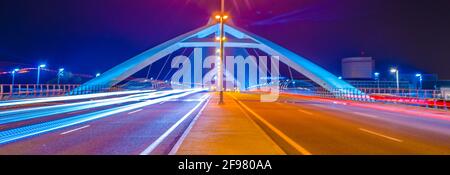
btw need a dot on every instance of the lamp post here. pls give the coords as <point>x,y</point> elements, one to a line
<point>221,18</point>
<point>60,74</point>
<point>13,73</point>
<point>377,78</point>
<point>39,72</point>
<point>418,75</point>
<point>395,70</point>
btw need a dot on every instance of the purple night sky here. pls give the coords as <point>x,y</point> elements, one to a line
<point>89,36</point>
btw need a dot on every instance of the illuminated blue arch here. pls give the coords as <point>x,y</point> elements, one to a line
<point>242,39</point>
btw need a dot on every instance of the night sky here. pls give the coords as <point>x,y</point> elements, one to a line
<point>89,36</point>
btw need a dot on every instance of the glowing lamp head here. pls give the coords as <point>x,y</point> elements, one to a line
<point>217,16</point>
<point>97,75</point>
<point>225,17</point>
<point>376,74</point>
<point>16,70</point>
<point>42,65</point>
<point>340,78</point>
<point>394,70</point>
<point>418,75</point>
<point>61,69</point>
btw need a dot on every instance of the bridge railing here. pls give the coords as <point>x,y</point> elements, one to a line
<point>439,99</point>
<point>18,91</point>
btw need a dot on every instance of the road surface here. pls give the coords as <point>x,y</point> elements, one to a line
<point>152,122</point>
<point>318,127</point>
<point>144,125</point>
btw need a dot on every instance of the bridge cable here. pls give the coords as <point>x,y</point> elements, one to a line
<point>170,70</point>
<point>168,57</point>
<point>148,72</point>
<point>290,72</point>
<point>259,61</point>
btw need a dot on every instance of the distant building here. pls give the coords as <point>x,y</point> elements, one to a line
<point>358,68</point>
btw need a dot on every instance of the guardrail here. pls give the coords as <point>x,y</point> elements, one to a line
<point>426,98</point>
<point>9,91</point>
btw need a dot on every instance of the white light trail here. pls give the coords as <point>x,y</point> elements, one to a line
<point>64,98</point>
<point>27,131</point>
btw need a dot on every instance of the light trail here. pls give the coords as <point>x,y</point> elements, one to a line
<point>34,109</point>
<point>26,114</point>
<point>28,131</point>
<point>65,98</point>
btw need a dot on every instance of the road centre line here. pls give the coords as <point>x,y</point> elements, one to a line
<point>280,133</point>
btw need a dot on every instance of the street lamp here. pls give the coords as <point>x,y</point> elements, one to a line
<point>395,70</point>
<point>418,75</point>
<point>39,72</point>
<point>60,74</point>
<point>377,78</point>
<point>377,75</point>
<point>13,73</point>
<point>221,18</point>
<point>97,75</point>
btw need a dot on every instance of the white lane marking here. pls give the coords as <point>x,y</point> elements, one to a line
<point>381,135</point>
<point>76,129</point>
<point>186,132</point>
<point>160,139</point>
<point>366,115</point>
<point>306,112</point>
<point>132,112</point>
<point>280,133</point>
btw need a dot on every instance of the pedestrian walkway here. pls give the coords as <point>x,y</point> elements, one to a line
<point>227,130</point>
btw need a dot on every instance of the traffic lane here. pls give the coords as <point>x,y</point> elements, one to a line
<point>28,113</point>
<point>436,131</point>
<point>125,133</point>
<point>411,113</point>
<point>38,115</point>
<point>32,121</point>
<point>323,133</point>
<point>46,101</point>
<point>11,119</point>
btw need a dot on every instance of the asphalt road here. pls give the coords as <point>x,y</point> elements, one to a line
<point>149,125</point>
<point>153,122</point>
<point>318,127</point>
